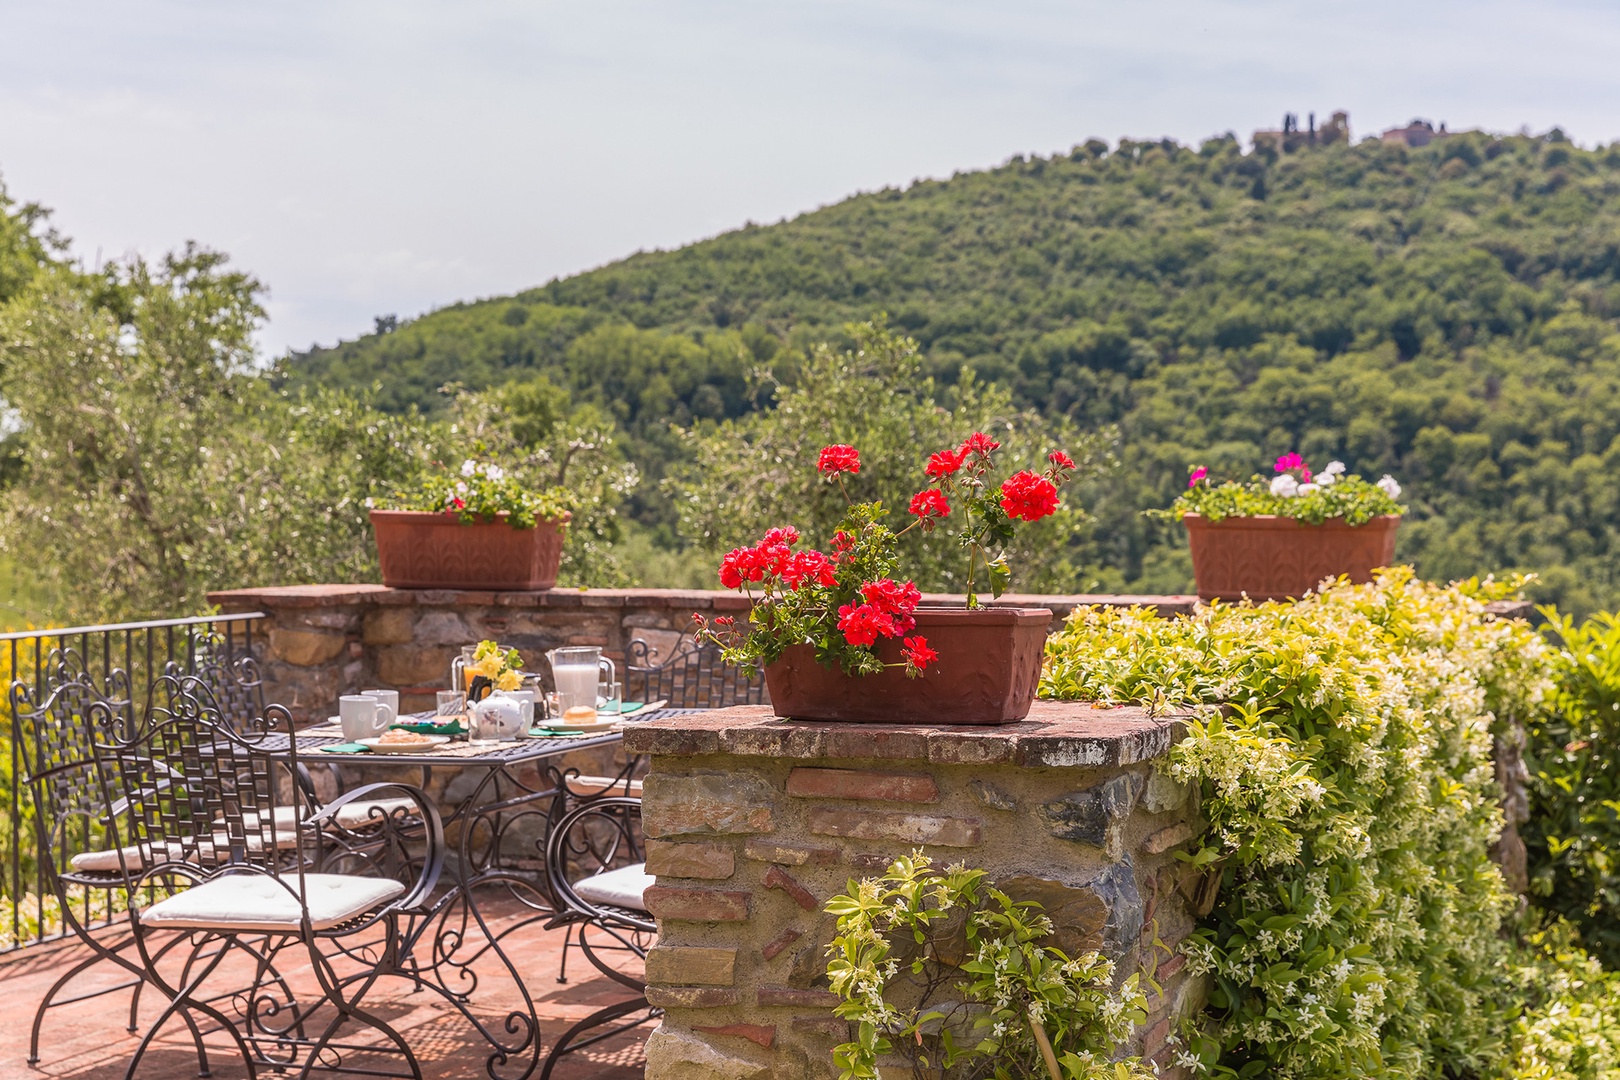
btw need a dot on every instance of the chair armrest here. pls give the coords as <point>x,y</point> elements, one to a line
<point>432,865</point>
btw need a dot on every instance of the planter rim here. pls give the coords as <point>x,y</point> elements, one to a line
<point>449,518</point>
<point>1277,521</point>
<point>985,616</point>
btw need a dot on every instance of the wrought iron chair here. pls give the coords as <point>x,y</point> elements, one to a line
<point>695,677</point>
<point>70,817</point>
<point>596,860</point>
<point>203,819</point>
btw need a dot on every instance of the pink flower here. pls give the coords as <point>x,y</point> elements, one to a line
<point>1197,475</point>
<point>1290,461</point>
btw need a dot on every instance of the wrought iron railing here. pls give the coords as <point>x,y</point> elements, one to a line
<point>127,656</point>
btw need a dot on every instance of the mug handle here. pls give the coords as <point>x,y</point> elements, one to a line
<point>385,717</point>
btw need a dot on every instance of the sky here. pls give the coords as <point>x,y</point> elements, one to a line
<point>365,158</point>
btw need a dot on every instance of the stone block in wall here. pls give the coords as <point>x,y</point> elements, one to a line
<point>388,626</point>
<point>415,665</point>
<point>707,802</point>
<point>675,1055</point>
<point>688,966</point>
<point>442,628</point>
<point>863,784</point>
<point>895,825</point>
<point>305,648</point>
<point>690,860</point>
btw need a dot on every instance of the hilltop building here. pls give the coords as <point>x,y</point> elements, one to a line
<point>1417,133</point>
<point>1291,137</point>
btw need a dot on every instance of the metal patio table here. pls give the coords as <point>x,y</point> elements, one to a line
<point>439,938</point>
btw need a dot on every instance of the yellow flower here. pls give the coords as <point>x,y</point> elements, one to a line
<point>508,680</point>
<point>488,667</point>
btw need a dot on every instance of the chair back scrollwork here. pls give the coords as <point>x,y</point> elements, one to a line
<point>695,677</point>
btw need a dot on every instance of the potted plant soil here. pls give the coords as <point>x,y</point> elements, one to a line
<point>1278,539</point>
<point>479,529</point>
<point>842,638</point>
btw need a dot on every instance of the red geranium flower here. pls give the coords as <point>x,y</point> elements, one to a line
<point>1060,459</point>
<point>781,535</point>
<point>1028,497</point>
<point>842,544</point>
<point>811,566</point>
<point>724,620</point>
<point>862,624</point>
<point>944,463</point>
<point>930,503</point>
<point>897,599</point>
<point>977,443</point>
<point>918,654</point>
<point>739,565</point>
<point>838,459</point>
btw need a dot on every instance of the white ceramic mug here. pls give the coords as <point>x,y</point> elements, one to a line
<point>389,698</point>
<point>363,717</point>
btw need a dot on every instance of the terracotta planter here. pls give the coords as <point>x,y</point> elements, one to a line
<point>419,550</point>
<point>988,667</point>
<point>1278,558</point>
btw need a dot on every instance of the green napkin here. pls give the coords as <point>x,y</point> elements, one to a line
<point>624,708</point>
<point>547,733</point>
<point>346,748</point>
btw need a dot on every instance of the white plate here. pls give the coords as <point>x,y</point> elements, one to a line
<point>377,746</point>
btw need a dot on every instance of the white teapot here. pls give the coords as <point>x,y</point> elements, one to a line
<point>498,718</point>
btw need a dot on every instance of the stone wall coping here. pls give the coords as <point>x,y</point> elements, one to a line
<point>1062,734</point>
<point>342,595</point>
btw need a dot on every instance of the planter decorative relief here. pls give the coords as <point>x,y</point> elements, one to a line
<point>420,550</point>
<point>1278,558</point>
<point>988,668</point>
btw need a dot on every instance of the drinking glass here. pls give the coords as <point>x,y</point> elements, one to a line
<point>610,697</point>
<point>451,703</point>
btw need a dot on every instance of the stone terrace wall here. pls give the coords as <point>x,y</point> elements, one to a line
<point>327,640</point>
<point>754,822</point>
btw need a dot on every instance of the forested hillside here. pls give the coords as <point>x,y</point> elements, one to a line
<point>1446,315</point>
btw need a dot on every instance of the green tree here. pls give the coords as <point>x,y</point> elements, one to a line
<point>758,471</point>
<point>155,464</point>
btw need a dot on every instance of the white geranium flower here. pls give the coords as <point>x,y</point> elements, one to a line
<point>493,471</point>
<point>1307,489</point>
<point>469,467</point>
<point>1284,486</point>
<point>1389,486</point>
<point>1327,479</point>
<point>1334,468</point>
<point>461,487</point>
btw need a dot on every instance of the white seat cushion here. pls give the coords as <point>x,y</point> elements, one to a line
<point>357,815</point>
<point>258,902</point>
<point>139,855</point>
<point>596,785</point>
<point>621,888</point>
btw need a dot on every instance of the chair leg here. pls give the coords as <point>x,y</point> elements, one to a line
<point>39,1014</point>
<point>596,1019</point>
<point>348,1008</point>
<point>181,1002</point>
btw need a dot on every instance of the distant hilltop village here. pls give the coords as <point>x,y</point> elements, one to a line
<point>1292,137</point>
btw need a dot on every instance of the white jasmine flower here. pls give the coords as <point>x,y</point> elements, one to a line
<point>370,503</point>
<point>1334,469</point>
<point>461,487</point>
<point>1388,485</point>
<point>469,467</point>
<point>1284,486</point>
<point>493,471</point>
<point>1308,489</point>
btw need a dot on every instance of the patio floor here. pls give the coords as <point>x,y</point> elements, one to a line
<point>87,1040</point>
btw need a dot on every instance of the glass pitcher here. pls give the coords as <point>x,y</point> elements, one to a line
<point>576,671</point>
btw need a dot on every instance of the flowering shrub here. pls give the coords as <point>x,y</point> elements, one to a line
<point>1342,745</point>
<point>1573,834</point>
<point>1294,492</point>
<point>845,601</point>
<point>483,491</point>
<point>949,973</point>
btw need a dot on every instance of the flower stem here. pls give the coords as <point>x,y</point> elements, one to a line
<point>1046,1048</point>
